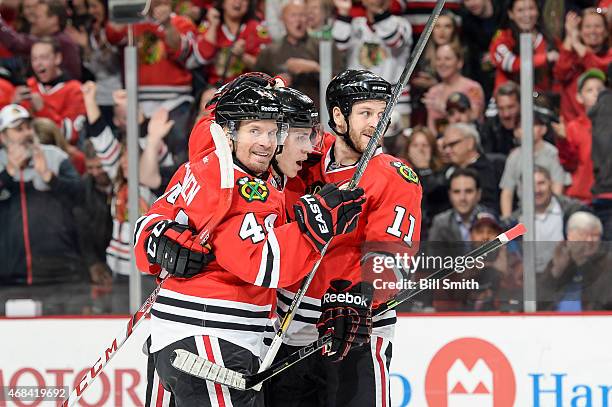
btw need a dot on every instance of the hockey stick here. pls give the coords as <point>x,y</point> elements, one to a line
<point>226,167</point>
<point>359,171</point>
<point>202,368</point>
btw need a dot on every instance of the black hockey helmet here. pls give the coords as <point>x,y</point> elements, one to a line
<point>249,102</point>
<point>254,79</point>
<point>352,86</point>
<point>300,111</point>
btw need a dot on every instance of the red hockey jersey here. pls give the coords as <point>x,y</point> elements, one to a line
<point>390,222</point>
<point>507,61</point>
<point>63,103</point>
<point>255,250</point>
<point>214,56</point>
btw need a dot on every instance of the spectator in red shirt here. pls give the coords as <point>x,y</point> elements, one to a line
<point>230,41</point>
<point>52,94</point>
<point>523,17</point>
<point>585,46</point>
<point>575,142</point>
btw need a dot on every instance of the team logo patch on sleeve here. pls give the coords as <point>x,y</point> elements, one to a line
<point>253,189</point>
<point>405,172</point>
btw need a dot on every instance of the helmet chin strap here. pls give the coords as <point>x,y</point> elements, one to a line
<point>347,138</point>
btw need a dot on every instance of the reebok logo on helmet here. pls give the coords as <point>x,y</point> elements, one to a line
<point>269,109</point>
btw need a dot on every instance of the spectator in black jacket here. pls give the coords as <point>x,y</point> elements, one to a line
<point>497,133</point>
<point>39,241</point>
<point>93,216</point>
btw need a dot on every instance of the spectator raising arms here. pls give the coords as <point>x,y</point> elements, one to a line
<point>378,41</point>
<point>99,56</point>
<point>585,46</point>
<point>449,61</point>
<point>230,40</point>
<point>163,46</point>
<point>523,17</point>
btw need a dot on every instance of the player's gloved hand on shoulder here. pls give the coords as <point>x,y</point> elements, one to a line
<point>346,313</point>
<point>333,211</point>
<point>176,249</point>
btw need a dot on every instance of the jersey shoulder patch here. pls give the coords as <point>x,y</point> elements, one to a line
<point>405,172</point>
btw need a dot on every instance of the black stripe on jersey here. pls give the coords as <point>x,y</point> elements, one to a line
<point>137,228</point>
<point>269,265</point>
<point>298,317</point>
<point>207,323</point>
<point>303,305</point>
<point>388,37</point>
<point>105,149</point>
<point>236,312</point>
<point>384,322</point>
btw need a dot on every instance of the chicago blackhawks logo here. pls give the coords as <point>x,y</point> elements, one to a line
<point>253,189</point>
<point>405,172</point>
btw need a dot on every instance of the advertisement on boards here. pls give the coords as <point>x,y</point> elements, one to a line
<point>438,361</point>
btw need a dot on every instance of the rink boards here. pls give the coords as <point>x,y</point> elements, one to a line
<point>439,361</point>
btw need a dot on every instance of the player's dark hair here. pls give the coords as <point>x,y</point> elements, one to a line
<point>464,172</point>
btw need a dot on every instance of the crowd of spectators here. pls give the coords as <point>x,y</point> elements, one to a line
<point>63,161</point>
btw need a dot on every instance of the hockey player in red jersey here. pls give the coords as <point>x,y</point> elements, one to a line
<point>218,302</point>
<point>391,215</point>
<point>304,136</point>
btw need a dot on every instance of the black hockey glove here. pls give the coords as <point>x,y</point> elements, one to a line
<point>331,212</point>
<point>346,312</point>
<point>175,247</point>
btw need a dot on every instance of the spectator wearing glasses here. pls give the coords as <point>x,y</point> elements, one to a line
<point>461,143</point>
